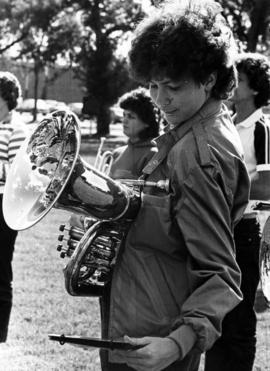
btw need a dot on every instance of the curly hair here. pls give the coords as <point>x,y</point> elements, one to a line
<point>257,69</point>
<point>10,89</point>
<point>140,102</point>
<point>177,40</point>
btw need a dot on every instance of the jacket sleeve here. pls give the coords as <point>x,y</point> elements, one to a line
<point>203,214</point>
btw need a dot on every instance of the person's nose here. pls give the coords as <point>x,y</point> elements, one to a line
<point>162,99</point>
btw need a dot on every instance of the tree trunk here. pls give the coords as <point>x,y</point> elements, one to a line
<point>26,85</point>
<point>44,92</point>
<point>46,82</point>
<point>36,78</point>
<point>258,19</point>
<point>103,122</point>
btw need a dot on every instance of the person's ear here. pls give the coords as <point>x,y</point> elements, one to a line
<point>210,82</point>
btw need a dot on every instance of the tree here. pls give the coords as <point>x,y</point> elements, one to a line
<point>83,33</point>
<point>42,33</point>
<point>260,19</point>
<point>14,23</point>
<point>249,20</point>
<point>103,73</point>
<point>51,34</point>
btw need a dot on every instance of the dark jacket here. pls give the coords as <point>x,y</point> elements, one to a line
<point>177,275</point>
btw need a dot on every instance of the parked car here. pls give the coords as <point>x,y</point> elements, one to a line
<point>55,105</point>
<point>76,107</point>
<point>27,105</point>
<point>266,110</point>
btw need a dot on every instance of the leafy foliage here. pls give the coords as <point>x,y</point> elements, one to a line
<point>249,20</point>
<point>105,23</point>
<point>41,31</point>
<point>86,36</point>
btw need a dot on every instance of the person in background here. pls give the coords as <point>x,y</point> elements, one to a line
<point>177,277</point>
<point>12,133</point>
<point>236,348</point>
<point>140,124</point>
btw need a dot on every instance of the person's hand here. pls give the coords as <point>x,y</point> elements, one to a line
<point>157,354</point>
<point>76,220</point>
<point>81,221</point>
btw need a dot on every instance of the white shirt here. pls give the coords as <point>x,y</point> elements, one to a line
<point>254,133</point>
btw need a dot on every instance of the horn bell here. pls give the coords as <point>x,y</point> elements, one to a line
<point>48,171</point>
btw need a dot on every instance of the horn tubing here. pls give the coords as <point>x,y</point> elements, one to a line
<point>92,192</point>
<point>48,172</point>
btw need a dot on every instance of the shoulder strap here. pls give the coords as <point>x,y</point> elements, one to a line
<point>202,144</point>
<point>201,141</point>
<point>158,157</point>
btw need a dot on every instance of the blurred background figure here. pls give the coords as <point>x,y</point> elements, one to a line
<point>12,133</point>
<point>235,350</point>
<point>141,119</point>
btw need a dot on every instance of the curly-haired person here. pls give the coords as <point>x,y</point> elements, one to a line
<point>177,276</point>
<point>235,350</point>
<point>140,124</point>
<point>12,133</point>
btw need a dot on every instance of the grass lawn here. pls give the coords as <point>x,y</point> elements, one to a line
<point>42,306</point>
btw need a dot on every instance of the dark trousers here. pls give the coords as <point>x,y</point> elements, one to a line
<point>235,350</point>
<point>8,237</point>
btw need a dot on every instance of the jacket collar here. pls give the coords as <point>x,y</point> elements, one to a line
<point>210,108</point>
<point>145,143</point>
<point>166,141</point>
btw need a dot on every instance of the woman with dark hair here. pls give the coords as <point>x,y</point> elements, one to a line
<point>12,133</point>
<point>140,124</point>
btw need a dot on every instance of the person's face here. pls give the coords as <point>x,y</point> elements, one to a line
<point>3,108</point>
<point>179,100</point>
<point>243,93</point>
<point>132,124</point>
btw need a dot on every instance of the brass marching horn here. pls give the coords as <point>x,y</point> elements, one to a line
<point>104,159</point>
<point>48,172</point>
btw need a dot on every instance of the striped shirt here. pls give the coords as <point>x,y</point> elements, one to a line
<point>254,133</point>
<point>12,134</point>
